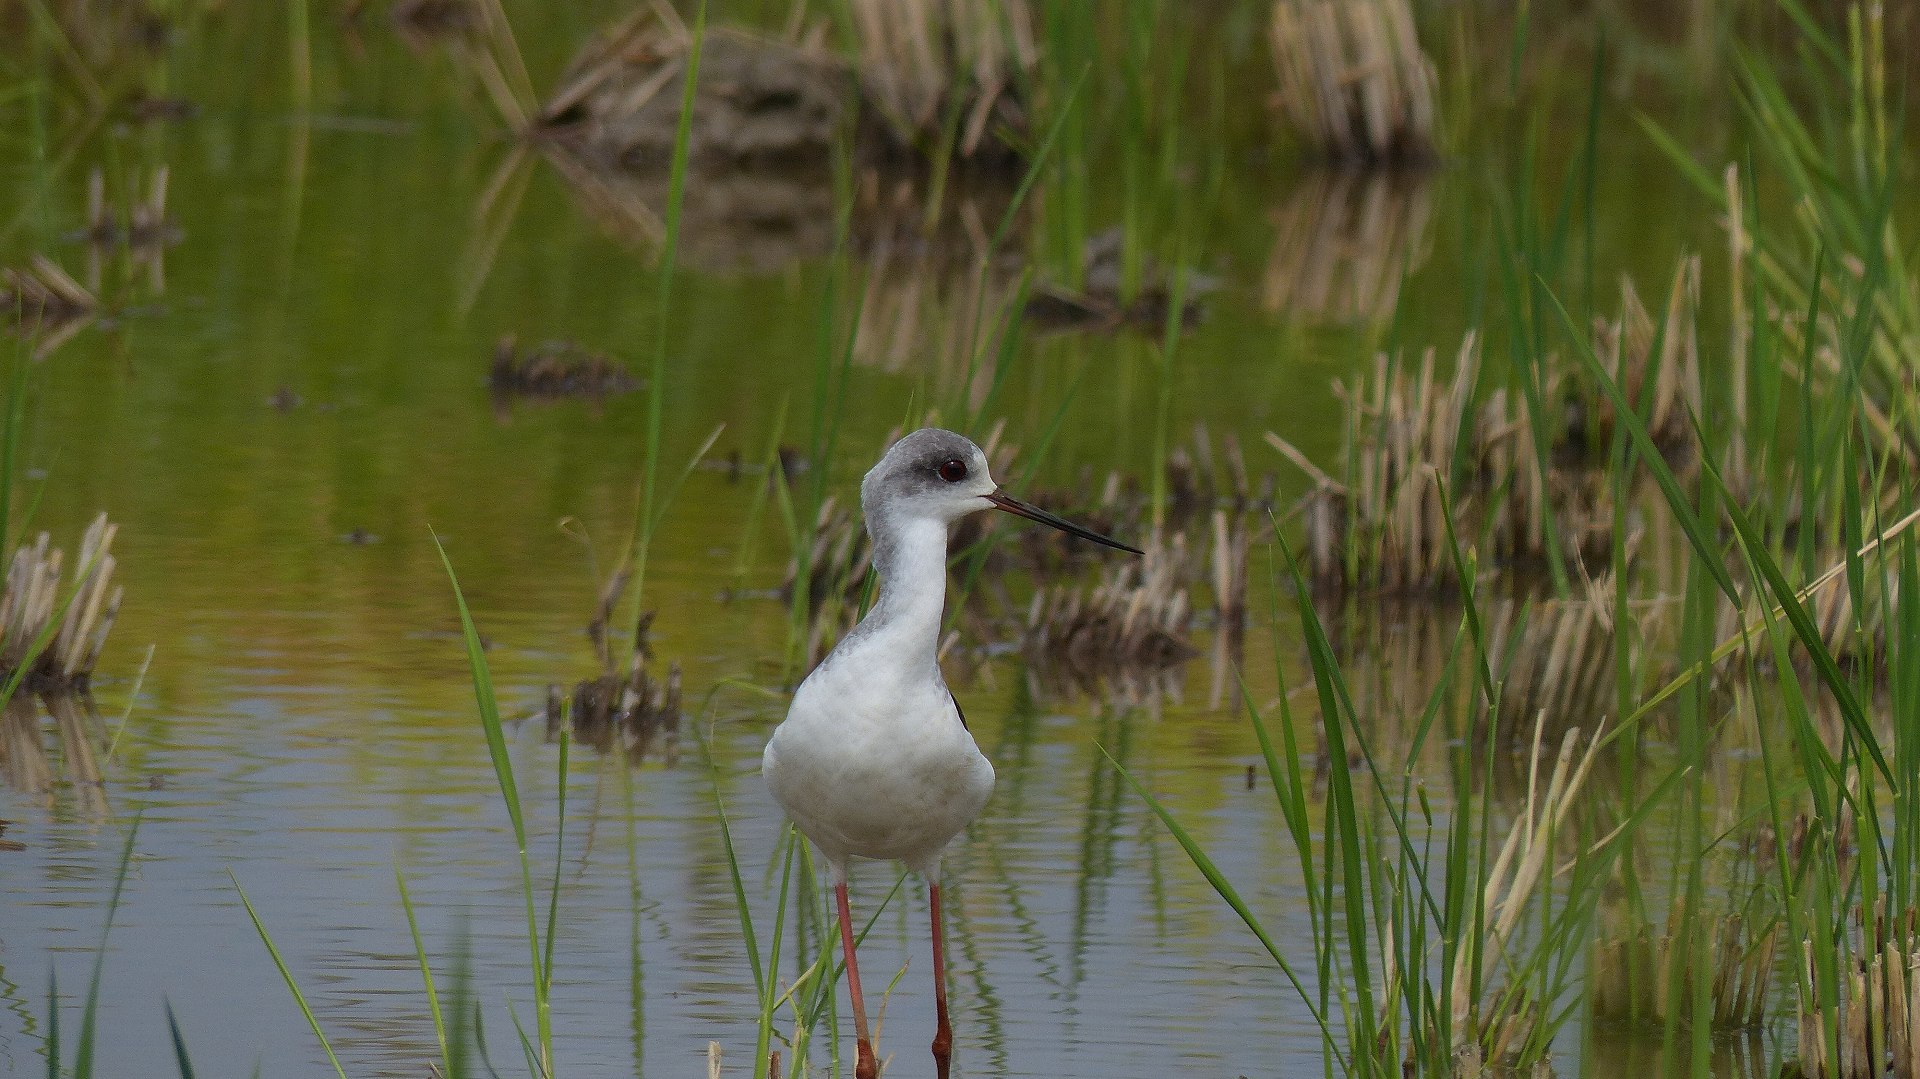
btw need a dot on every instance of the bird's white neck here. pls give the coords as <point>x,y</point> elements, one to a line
<point>911,557</point>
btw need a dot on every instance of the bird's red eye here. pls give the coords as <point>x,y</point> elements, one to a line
<point>954,471</point>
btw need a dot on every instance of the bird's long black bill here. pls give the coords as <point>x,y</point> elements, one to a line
<point>1018,508</point>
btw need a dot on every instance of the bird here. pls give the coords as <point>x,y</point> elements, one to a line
<point>874,759</point>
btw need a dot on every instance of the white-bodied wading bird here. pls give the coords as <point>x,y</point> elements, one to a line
<point>874,759</point>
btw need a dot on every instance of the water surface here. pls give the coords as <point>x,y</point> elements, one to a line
<point>282,429</point>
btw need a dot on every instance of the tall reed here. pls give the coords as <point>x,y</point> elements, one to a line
<point>1416,906</point>
<point>539,942</point>
<point>652,503</point>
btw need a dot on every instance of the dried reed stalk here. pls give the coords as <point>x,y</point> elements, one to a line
<point>1232,543</point>
<point>757,99</point>
<point>1403,435</point>
<point>1666,387</point>
<point>628,713</point>
<point>1409,433</point>
<point>33,600</point>
<point>1510,469</point>
<point>1556,656</point>
<point>1849,635</point>
<point>1875,1023</point>
<point>1199,481</point>
<point>1634,977</point>
<point>144,222</point>
<point>1421,424</point>
<point>637,39</point>
<point>1137,615</point>
<point>1517,873</point>
<point>142,231</point>
<point>1354,80</point>
<point>1891,418</point>
<point>920,58</point>
<point>44,293</point>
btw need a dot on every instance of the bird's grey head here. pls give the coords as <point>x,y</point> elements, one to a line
<point>929,473</point>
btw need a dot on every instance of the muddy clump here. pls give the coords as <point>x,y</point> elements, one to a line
<point>756,101</point>
<point>1106,301</point>
<point>770,119</point>
<point>52,631</point>
<point>556,369</point>
<point>633,714</point>
<point>1137,616</point>
<point>629,712</point>
<point>765,100</point>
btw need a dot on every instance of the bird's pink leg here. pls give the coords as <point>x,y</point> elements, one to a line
<point>865,1065</point>
<point>942,1032</point>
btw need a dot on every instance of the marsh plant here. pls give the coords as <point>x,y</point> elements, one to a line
<point>1596,651</point>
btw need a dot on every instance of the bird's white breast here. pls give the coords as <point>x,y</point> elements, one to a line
<point>874,761</point>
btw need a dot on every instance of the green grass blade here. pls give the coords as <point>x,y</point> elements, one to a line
<point>83,1061</point>
<point>1681,158</point>
<point>1804,628</point>
<point>1750,538</point>
<point>426,968</point>
<point>484,699</point>
<point>1225,889</point>
<point>733,869</point>
<point>763,1037</point>
<point>495,732</point>
<point>180,1057</point>
<point>559,851</point>
<point>527,1048</point>
<point>53,1024</point>
<point>663,307</point>
<point>133,694</point>
<point>480,1044</point>
<point>293,986</point>
<point>1711,559</point>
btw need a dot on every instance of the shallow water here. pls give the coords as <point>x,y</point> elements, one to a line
<point>306,726</point>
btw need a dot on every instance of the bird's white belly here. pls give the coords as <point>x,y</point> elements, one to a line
<point>892,775</point>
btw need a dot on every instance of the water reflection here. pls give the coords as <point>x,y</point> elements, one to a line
<point>761,192</point>
<point>932,301</point>
<point>310,721</point>
<point>124,269</point>
<point>37,763</point>
<point>141,230</point>
<point>735,218</point>
<point>44,305</point>
<point>1624,1049</point>
<point>1344,240</point>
